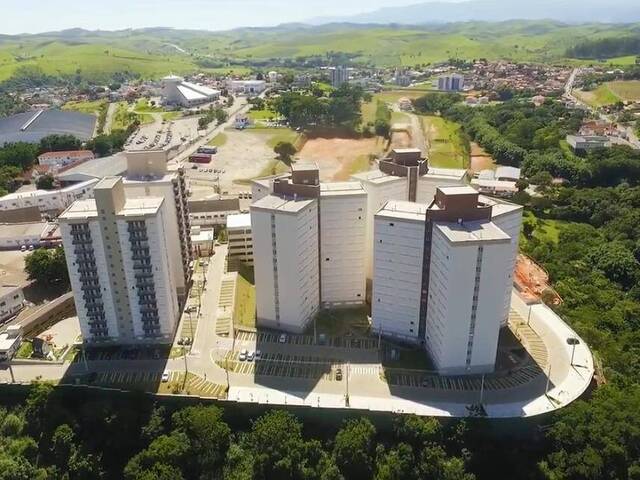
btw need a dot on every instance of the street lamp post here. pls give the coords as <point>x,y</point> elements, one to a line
<point>482,390</point>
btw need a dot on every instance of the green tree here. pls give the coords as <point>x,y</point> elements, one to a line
<point>284,151</point>
<point>45,182</point>
<point>59,143</point>
<point>354,448</point>
<point>47,266</point>
<point>208,435</point>
<point>277,446</point>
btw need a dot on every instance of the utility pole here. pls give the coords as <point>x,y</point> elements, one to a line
<point>315,330</point>
<point>186,370</point>
<point>482,390</point>
<point>84,359</point>
<point>347,377</point>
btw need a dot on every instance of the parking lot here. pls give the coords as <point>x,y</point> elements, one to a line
<point>281,365</point>
<point>336,342</point>
<point>406,378</point>
<point>151,381</point>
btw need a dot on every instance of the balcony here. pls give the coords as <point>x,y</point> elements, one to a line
<point>144,274</point>
<point>83,251</point>
<point>81,241</point>
<point>142,266</point>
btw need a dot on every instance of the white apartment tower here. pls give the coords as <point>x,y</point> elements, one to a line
<point>308,243</point>
<point>118,257</point>
<point>443,274</point>
<point>147,175</point>
<point>404,175</point>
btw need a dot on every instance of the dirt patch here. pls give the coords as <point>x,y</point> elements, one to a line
<point>246,154</point>
<point>339,158</point>
<point>480,159</point>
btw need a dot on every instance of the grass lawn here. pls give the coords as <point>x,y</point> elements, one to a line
<point>143,106</point>
<point>168,116</point>
<point>279,135</point>
<point>599,97</point>
<point>399,117</point>
<point>122,117</point>
<point>546,229</point>
<point>25,350</point>
<point>447,146</point>
<point>262,114</point>
<point>626,90</point>
<point>340,322</point>
<point>85,106</point>
<point>219,140</point>
<point>244,312</point>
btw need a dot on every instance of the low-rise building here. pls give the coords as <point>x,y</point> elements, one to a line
<point>202,241</point>
<point>213,212</point>
<point>586,143</point>
<point>48,201</point>
<point>69,157</point>
<point>11,301</point>
<point>10,341</point>
<point>175,91</point>
<point>16,236</point>
<point>247,87</point>
<point>240,238</point>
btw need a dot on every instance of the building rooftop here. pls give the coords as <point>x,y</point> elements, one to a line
<point>285,205</point>
<point>96,168</point>
<point>80,210</point>
<point>477,231</point>
<point>457,190</point>
<point>66,154</point>
<point>32,126</point>
<point>499,207</point>
<point>107,183</point>
<point>377,177</point>
<point>304,167</point>
<point>241,220</point>
<point>137,207</point>
<point>448,173</point>
<point>341,188</point>
<point>403,210</point>
<point>8,230</point>
<point>8,289</point>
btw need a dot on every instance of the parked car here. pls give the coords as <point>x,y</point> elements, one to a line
<point>251,356</point>
<point>282,338</point>
<point>338,374</point>
<point>258,354</point>
<point>165,376</point>
<point>243,355</point>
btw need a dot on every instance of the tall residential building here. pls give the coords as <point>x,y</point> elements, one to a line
<point>405,176</point>
<point>118,257</point>
<point>308,243</point>
<point>339,75</point>
<point>147,175</point>
<point>443,275</point>
<point>451,83</point>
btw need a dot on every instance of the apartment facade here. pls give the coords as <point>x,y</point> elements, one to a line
<point>48,201</point>
<point>404,176</point>
<point>443,275</point>
<point>11,301</point>
<point>147,176</point>
<point>286,269</point>
<point>118,257</point>
<point>326,225</point>
<point>240,239</point>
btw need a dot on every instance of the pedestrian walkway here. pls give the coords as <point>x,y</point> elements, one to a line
<point>224,321</point>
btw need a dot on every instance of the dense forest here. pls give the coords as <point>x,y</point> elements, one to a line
<point>606,48</point>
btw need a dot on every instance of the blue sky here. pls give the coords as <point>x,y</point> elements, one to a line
<point>31,16</point>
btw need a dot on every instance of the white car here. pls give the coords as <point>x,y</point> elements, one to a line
<point>243,355</point>
<point>258,354</point>
<point>165,376</point>
<point>282,338</point>
<point>251,356</point>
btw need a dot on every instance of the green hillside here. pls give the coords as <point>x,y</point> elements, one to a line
<point>154,52</point>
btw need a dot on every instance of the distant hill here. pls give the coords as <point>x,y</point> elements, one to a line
<point>98,56</point>
<point>568,11</point>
